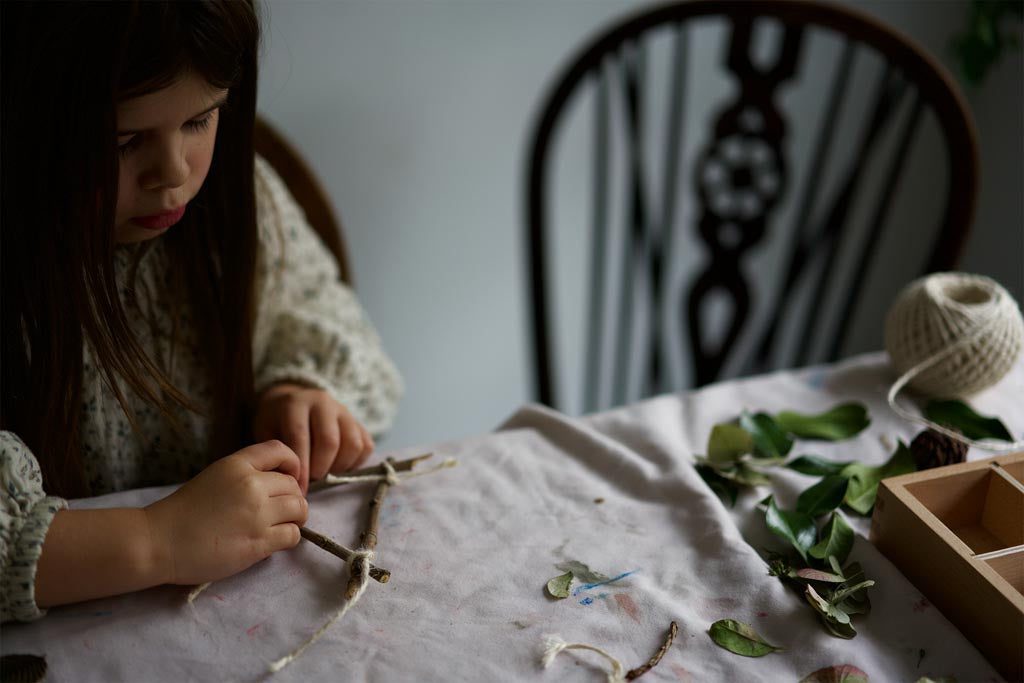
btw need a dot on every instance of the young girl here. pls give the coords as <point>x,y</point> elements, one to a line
<point>167,313</point>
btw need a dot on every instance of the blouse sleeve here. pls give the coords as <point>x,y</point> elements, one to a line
<point>310,328</point>
<point>25,516</point>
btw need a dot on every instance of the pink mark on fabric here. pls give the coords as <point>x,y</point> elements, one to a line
<point>762,614</point>
<point>219,598</point>
<point>251,631</point>
<point>628,606</point>
<point>921,605</point>
<point>681,673</point>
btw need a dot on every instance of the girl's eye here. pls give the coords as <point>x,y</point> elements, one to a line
<point>126,147</point>
<point>199,124</point>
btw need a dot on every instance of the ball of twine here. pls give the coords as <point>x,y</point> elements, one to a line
<point>961,333</point>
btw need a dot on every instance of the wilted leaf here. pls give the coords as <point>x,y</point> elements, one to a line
<point>740,638</point>
<point>795,527</point>
<point>769,439</point>
<point>824,607</point>
<point>728,442</point>
<point>857,601</point>
<point>959,415</point>
<point>836,540</point>
<point>811,574</point>
<point>840,422</point>
<point>840,673</point>
<point>823,497</point>
<point>815,466</point>
<point>582,571</point>
<point>863,488</point>
<point>724,488</point>
<point>558,587</point>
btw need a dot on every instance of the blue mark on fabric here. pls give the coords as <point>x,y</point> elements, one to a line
<point>587,601</point>
<point>588,586</point>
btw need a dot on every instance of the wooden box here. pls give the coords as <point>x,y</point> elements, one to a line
<point>957,533</point>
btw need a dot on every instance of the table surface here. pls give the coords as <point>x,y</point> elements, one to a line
<point>471,549</point>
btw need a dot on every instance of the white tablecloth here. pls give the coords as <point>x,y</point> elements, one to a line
<point>471,549</point>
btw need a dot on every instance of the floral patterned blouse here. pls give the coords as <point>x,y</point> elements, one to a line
<point>309,329</point>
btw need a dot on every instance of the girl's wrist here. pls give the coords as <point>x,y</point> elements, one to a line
<point>156,557</point>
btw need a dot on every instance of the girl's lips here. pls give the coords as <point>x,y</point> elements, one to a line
<point>160,221</point>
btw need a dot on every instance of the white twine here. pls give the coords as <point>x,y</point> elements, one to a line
<point>953,311</point>
<point>194,593</point>
<point>554,645</point>
<point>364,579</point>
<point>390,475</point>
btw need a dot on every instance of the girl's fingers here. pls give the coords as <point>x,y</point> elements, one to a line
<point>273,455</point>
<point>295,433</point>
<point>284,509</point>
<point>283,536</point>
<point>326,432</point>
<point>368,447</point>
<point>280,484</point>
<point>351,442</point>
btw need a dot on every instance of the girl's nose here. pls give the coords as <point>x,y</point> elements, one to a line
<point>169,166</point>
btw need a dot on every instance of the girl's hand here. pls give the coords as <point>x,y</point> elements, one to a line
<point>236,512</point>
<point>320,430</point>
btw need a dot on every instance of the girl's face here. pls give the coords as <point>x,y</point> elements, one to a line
<point>165,141</point>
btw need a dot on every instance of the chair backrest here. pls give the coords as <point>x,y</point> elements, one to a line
<point>739,179</point>
<point>306,189</point>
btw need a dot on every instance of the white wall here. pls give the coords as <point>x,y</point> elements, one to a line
<point>415,114</point>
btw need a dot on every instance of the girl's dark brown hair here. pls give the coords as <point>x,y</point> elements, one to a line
<point>64,67</point>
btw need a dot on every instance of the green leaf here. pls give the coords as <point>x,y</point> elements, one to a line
<point>745,475</point>
<point>769,439</point>
<point>840,673</point>
<point>836,540</point>
<point>728,442</point>
<point>740,638</point>
<point>582,572</point>
<point>863,488</point>
<point>823,497</point>
<point>795,527</point>
<point>811,574</point>
<point>841,422</point>
<point>843,593</point>
<point>814,466</point>
<point>724,488</point>
<point>824,607</point>
<point>959,415</point>
<point>857,601</point>
<point>558,587</point>
<point>835,564</point>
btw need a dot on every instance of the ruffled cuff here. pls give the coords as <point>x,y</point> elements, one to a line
<point>26,545</point>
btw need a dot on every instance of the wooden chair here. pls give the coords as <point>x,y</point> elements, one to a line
<point>739,177</point>
<point>306,189</point>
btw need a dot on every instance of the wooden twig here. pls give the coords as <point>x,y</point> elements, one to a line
<point>338,550</point>
<point>673,629</point>
<point>400,466</point>
<point>368,539</point>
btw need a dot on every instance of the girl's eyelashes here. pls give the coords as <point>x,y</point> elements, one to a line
<point>193,126</point>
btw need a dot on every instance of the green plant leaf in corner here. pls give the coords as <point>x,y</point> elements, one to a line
<point>863,488</point>
<point>841,422</point>
<point>815,466</point>
<point>959,415</point>
<point>840,673</point>
<point>724,488</point>
<point>740,638</point>
<point>558,587</point>
<point>728,442</point>
<point>769,439</point>
<point>795,527</point>
<point>823,497</point>
<point>836,540</point>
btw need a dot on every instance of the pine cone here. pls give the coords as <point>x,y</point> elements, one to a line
<point>934,449</point>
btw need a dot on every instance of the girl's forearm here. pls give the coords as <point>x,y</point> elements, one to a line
<point>98,553</point>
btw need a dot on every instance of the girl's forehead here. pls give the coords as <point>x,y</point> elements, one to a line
<point>185,98</point>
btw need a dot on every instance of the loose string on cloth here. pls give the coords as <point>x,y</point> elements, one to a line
<point>390,476</point>
<point>554,645</point>
<point>994,445</point>
<point>364,580</point>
